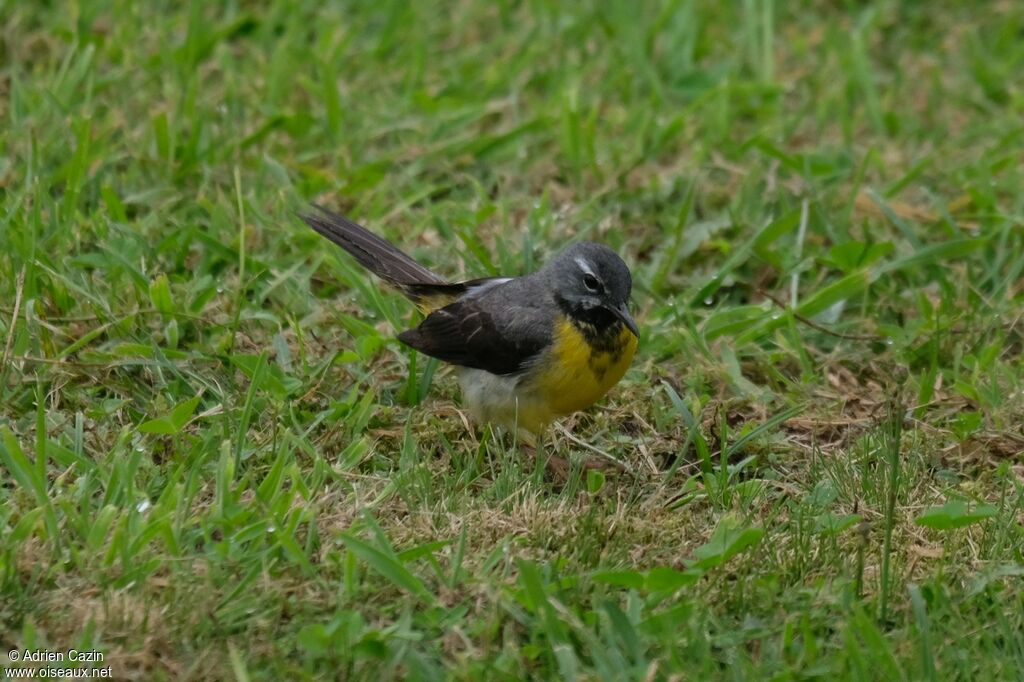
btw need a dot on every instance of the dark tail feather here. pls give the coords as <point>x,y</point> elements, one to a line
<point>373,253</point>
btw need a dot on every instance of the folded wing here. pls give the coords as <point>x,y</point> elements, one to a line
<point>473,332</point>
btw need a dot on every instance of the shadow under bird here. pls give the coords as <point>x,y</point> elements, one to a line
<point>528,349</point>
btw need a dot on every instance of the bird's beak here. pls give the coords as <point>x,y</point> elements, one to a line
<point>622,312</point>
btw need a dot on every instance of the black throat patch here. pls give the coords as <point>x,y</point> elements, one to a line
<point>600,327</point>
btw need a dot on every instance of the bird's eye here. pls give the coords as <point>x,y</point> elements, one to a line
<point>591,282</point>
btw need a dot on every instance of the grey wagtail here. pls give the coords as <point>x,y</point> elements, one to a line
<point>528,349</point>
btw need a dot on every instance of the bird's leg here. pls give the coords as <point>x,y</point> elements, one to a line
<point>601,462</point>
<point>558,466</point>
<point>527,442</point>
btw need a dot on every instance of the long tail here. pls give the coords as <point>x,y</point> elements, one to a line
<point>383,259</point>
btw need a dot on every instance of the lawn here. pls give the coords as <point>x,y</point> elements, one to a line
<point>216,461</point>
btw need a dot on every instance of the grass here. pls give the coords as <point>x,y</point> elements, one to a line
<point>217,463</point>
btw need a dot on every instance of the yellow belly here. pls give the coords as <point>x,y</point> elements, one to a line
<point>575,375</point>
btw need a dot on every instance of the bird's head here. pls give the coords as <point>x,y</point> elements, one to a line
<point>592,285</point>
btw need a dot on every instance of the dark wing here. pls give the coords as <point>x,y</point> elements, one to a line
<point>431,297</point>
<point>469,334</point>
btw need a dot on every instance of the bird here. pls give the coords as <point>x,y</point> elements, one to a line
<point>528,350</point>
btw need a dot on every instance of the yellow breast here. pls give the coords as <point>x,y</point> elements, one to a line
<point>577,374</point>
